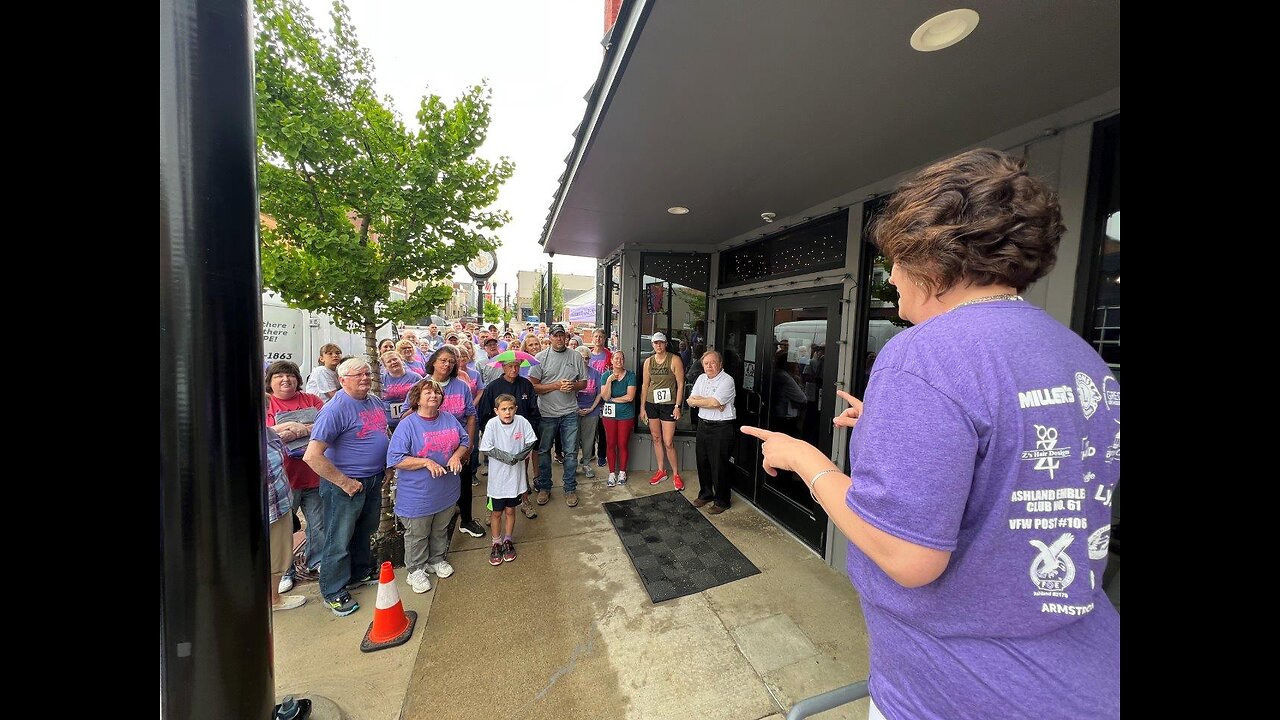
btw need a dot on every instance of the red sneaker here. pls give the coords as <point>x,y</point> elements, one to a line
<point>658,477</point>
<point>675,479</point>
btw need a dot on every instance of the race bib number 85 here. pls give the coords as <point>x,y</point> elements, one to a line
<point>610,410</point>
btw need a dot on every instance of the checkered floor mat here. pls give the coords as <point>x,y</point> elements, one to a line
<point>676,550</point>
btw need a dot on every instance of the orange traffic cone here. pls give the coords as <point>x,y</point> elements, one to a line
<point>392,625</point>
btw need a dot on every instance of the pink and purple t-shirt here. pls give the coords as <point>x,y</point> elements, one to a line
<point>356,432</point>
<point>418,494</point>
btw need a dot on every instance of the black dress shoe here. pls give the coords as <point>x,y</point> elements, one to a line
<point>700,502</point>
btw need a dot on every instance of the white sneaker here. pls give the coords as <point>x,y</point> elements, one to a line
<point>622,477</point>
<point>442,569</point>
<point>419,582</point>
<point>613,479</point>
<point>286,584</point>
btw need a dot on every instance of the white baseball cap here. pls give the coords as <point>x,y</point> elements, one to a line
<point>658,336</point>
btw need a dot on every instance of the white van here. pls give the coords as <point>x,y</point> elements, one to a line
<point>296,335</point>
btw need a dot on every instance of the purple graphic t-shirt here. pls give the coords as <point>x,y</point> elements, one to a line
<point>356,432</point>
<point>417,493</point>
<point>993,432</point>
<point>457,401</point>
<point>597,363</point>
<point>394,392</point>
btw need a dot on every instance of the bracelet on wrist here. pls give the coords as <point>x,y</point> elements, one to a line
<point>814,482</point>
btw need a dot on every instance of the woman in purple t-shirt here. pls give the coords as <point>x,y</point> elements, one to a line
<point>443,366</point>
<point>983,464</point>
<point>427,450</point>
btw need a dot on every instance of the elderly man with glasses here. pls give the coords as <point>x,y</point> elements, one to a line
<point>348,449</point>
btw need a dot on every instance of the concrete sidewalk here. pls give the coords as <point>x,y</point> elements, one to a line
<point>567,630</point>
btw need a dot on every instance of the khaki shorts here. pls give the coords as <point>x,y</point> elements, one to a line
<point>281,534</point>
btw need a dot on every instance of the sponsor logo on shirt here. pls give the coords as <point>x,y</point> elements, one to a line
<point>1113,450</point>
<point>1099,541</point>
<point>1089,395</point>
<point>1052,570</point>
<point>1060,395</point>
<point>1048,455</point>
<point>1111,392</point>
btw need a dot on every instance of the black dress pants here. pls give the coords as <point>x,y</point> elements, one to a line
<point>714,443</point>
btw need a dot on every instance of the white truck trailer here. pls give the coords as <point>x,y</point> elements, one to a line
<point>296,335</point>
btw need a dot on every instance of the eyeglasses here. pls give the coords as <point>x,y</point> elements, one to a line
<point>365,374</point>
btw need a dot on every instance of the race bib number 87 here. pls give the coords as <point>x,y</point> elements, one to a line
<point>662,395</point>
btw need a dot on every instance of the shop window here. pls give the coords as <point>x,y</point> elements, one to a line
<point>612,302</point>
<point>673,301</point>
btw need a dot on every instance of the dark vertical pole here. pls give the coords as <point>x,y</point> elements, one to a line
<point>215,631</point>
<point>549,301</point>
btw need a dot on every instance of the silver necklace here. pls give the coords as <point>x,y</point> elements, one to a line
<point>991,298</point>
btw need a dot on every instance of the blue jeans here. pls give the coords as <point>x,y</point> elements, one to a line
<point>349,524</point>
<point>313,508</point>
<point>568,427</point>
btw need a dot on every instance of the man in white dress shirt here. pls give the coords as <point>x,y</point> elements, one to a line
<point>713,394</point>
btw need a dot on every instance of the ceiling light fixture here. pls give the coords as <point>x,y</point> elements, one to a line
<point>945,30</point>
<point>678,210</point>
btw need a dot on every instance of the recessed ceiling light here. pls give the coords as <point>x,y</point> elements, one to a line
<point>945,30</point>
<point>678,210</point>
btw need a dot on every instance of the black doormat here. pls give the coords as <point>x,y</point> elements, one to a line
<point>676,550</point>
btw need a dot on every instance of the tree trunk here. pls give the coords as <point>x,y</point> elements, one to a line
<point>386,539</point>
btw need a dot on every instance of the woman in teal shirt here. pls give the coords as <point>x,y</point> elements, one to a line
<point>618,392</point>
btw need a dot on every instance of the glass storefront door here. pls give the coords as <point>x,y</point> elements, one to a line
<point>776,351</point>
<point>739,339</point>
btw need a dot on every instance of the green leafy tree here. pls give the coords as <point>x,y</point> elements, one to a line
<point>507,314</point>
<point>492,313</point>
<point>557,299</point>
<point>351,199</point>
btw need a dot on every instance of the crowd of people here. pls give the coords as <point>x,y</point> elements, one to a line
<point>977,536</point>
<point>435,406</point>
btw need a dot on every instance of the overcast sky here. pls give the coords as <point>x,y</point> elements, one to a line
<point>539,57</point>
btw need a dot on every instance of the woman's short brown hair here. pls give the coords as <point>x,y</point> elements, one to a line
<point>283,367</point>
<point>976,218</point>
<point>414,398</point>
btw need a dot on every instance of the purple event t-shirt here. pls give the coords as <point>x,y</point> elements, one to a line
<point>991,432</point>
<point>417,493</point>
<point>597,362</point>
<point>356,432</point>
<point>457,401</point>
<point>394,392</point>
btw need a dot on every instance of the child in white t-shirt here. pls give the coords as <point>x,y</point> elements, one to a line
<point>508,439</point>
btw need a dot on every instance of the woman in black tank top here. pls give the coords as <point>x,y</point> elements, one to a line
<point>663,393</point>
